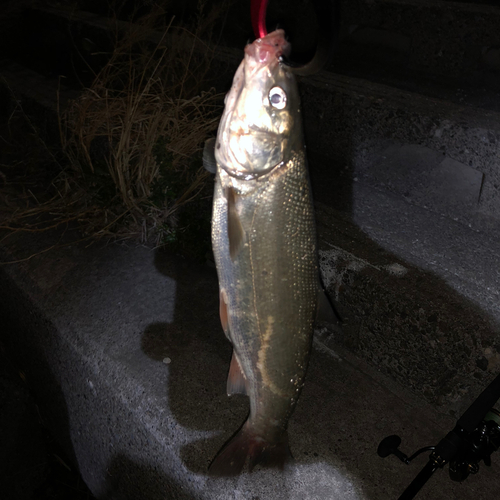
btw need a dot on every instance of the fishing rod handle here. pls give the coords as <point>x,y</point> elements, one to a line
<point>422,477</point>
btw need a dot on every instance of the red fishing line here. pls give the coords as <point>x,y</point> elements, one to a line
<point>258,12</point>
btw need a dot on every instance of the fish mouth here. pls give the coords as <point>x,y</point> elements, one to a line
<point>269,49</point>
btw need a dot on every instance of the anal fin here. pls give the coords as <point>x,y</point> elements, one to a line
<point>236,381</point>
<point>223,313</point>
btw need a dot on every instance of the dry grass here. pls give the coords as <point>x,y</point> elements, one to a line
<point>132,142</point>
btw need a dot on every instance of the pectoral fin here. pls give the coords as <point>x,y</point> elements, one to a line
<point>209,156</point>
<point>235,230</point>
<point>236,382</point>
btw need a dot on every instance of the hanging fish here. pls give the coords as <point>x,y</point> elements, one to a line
<point>264,243</point>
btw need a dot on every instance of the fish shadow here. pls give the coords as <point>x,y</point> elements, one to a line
<point>198,355</point>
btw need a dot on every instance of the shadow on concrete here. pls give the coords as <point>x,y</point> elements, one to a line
<point>28,339</point>
<point>200,356</point>
<point>54,374</point>
<point>23,456</point>
<point>330,167</point>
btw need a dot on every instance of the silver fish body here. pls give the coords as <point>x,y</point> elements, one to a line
<point>264,243</point>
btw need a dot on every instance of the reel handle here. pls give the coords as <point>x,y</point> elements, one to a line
<point>389,446</point>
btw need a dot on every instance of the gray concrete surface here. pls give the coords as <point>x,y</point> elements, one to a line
<point>124,349</point>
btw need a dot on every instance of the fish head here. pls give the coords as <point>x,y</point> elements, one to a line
<point>261,124</point>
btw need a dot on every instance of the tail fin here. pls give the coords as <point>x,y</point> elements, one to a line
<point>246,445</point>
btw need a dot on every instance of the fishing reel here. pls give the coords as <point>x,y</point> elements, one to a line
<point>481,444</point>
<point>475,437</point>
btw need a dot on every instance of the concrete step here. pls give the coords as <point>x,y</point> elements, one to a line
<point>360,126</point>
<point>124,349</point>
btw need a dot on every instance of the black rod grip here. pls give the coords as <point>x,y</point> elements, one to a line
<point>477,410</point>
<point>416,485</point>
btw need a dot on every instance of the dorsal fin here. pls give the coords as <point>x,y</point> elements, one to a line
<point>325,312</point>
<point>234,228</point>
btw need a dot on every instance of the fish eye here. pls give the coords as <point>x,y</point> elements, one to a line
<point>277,97</point>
